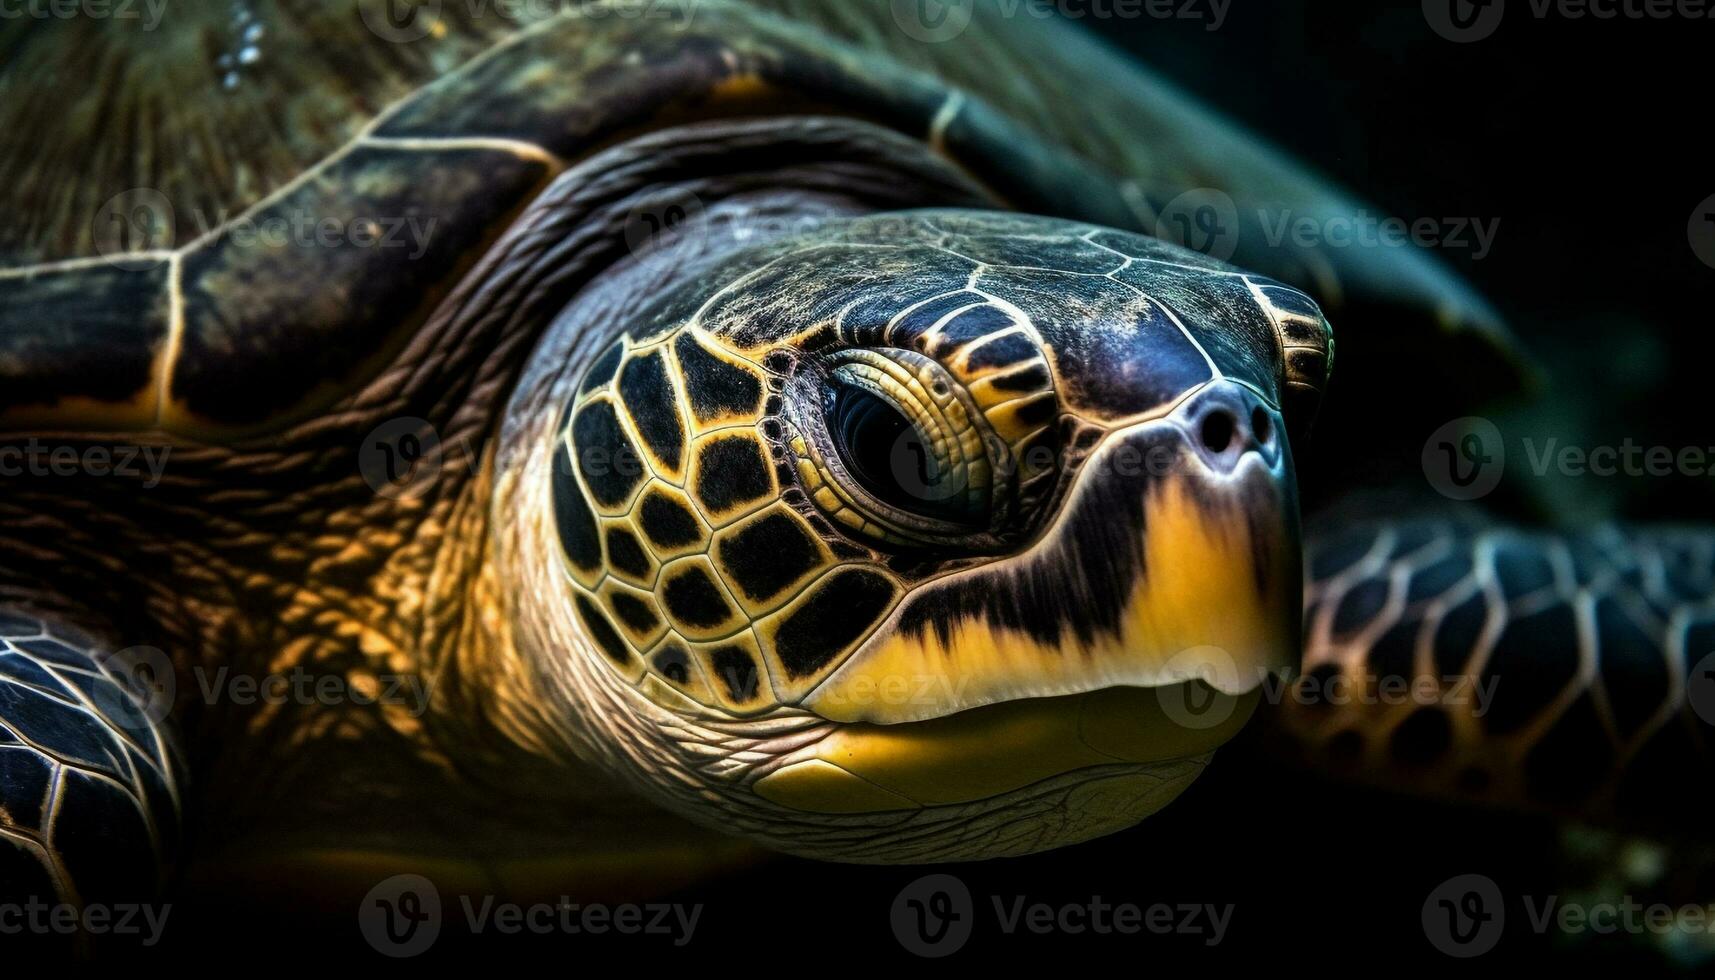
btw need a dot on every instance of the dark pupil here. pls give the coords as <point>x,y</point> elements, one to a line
<point>887,454</point>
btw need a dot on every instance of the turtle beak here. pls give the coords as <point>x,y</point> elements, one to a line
<point>1175,560</point>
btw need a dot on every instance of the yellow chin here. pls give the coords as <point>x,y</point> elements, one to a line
<point>1218,601</point>
<point>987,752</point>
<point>972,709</point>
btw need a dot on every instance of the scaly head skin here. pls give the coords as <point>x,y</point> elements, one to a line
<point>924,535</point>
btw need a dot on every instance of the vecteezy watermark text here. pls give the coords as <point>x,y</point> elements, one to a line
<point>42,918</point>
<point>132,227</point>
<point>1019,914</point>
<point>935,21</point>
<point>1365,230</point>
<point>150,686</point>
<point>1466,915</point>
<point>147,12</point>
<point>33,458</point>
<point>1465,21</point>
<point>1465,459</point>
<point>402,917</point>
<point>934,916</point>
<point>1208,220</point>
<point>303,687</point>
<point>1629,458</point>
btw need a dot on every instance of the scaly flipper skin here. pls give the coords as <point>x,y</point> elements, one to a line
<point>89,776</point>
<point>1561,670</point>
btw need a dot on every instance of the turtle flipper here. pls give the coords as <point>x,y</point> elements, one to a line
<point>89,776</point>
<point>1572,671</point>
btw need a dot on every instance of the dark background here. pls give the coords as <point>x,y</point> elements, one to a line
<point>1587,140</point>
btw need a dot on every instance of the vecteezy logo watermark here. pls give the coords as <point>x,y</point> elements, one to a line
<point>33,915</point>
<point>1203,220</point>
<point>402,917</point>
<point>1465,458</point>
<point>133,227</point>
<point>401,21</point>
<point>147,12</point>
<point>144,691</point>
<point>1464,21</point>
<point>933,916</point>
<point>933,21</point>
<point>32,458</point>
<point>1701,231</point>
<point>665,221</point>
<point>1198,701</point>
<point>1700,689</point>
<point>402,458</point>
<point>1464,916</point>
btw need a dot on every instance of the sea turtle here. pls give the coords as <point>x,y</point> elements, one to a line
<point>471,445</point>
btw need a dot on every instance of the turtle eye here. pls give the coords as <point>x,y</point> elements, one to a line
<point>890,456</point>
<point>893,450</point>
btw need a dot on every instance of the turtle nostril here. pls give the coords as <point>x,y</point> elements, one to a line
<point>1260,426</point>
<point>1217,432</point>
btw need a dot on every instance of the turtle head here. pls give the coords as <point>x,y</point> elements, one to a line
<point>975,530</point>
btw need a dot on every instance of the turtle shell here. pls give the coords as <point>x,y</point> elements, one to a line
<point>141,295</point>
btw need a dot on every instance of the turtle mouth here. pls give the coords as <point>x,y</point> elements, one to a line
<point>988,752</point>
<point>1176,558</point>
